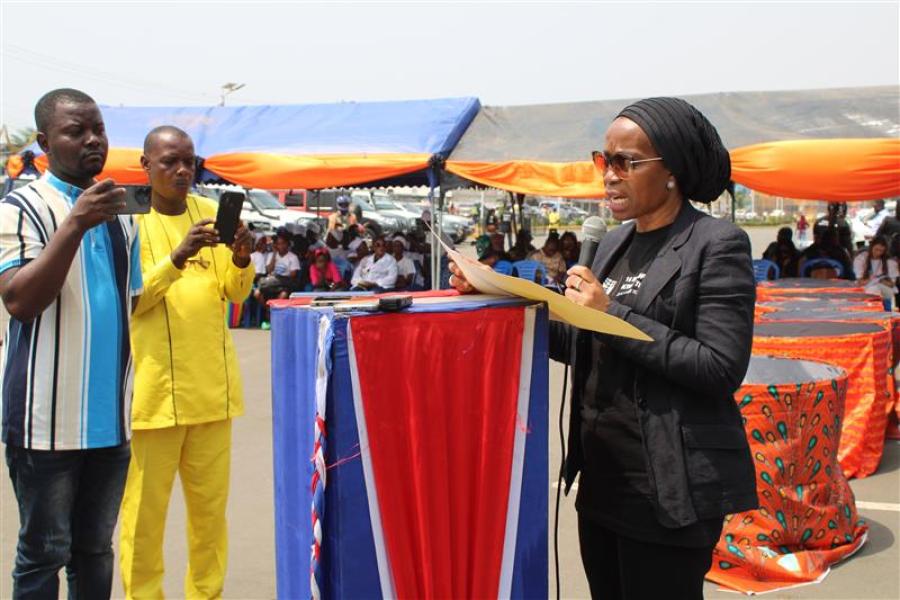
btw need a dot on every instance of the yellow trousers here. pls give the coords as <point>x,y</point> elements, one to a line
<point>201,455</point>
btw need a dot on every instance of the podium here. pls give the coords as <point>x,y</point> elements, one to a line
<point>410,450</point>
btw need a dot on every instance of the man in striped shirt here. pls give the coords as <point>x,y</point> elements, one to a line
<point>69,275</point>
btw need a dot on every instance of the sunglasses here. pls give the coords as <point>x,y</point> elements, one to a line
<point>621,164</point>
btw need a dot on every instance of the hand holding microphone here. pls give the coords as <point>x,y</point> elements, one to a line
<point>582,287</point>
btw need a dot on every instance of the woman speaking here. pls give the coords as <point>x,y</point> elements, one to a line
<point>654,429</point>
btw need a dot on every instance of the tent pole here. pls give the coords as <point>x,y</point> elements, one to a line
<point>481,215</point>
<point>513,230</point>
<point>436,165</point>
<point>437,249</point>
<point>520,204</point>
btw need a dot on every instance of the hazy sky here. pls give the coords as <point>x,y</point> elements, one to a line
<point>504,53</point>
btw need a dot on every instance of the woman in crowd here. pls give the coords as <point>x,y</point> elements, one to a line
<point>550,257</point>
<point>877,271</point>
<point>654,428</point>
<point>784,253</point>
<point>323,273</point>
<point>569,247</point>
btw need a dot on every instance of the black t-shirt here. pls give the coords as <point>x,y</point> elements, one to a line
<point>614,489</point>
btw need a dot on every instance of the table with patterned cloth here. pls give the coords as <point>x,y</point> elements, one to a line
<point>807,519</point>
<point>888,319</point>
<point>853,303</point>
<point>864,351</point>
<point>804,286</point>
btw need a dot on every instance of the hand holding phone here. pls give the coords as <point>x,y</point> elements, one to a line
<point>97,204</point>
<point>242,246</point>
<point>199,236</point>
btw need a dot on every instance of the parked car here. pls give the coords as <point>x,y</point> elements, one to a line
<point>457,227</point>
<point>263,212</point>
<point>569,213</point>
<point>391,220</point>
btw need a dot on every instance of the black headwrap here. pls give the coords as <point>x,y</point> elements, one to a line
<point>688,144</point>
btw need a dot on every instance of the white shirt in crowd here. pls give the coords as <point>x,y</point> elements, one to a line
<point>382,273</point>
<point>406,267</point>
<point>284,265</point>
<point>260,261</point>
<point>876,272</point>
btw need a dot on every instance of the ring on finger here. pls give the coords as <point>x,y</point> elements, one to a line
<point>578,284</point>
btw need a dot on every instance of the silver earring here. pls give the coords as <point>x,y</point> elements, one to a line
<point>670,185</point>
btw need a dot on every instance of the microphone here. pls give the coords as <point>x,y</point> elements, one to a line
<point>592,231</point>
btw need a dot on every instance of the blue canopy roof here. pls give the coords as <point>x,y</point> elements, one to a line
<point>407,127</point>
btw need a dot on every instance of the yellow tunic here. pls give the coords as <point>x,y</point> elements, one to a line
<point>186,371</point>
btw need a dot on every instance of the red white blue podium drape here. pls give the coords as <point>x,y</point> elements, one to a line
<point>411,451</point>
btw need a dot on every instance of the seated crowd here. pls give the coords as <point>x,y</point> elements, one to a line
<point>875,266</point>
<point>347,260</point>
<point>556,256</point>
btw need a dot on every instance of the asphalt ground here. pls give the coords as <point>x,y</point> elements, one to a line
<point>873,573</point>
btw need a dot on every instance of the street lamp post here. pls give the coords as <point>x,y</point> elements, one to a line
<point>229,88</point>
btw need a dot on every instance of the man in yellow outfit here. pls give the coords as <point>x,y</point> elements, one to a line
<point>187,386</point>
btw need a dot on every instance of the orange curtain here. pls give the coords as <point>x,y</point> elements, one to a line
<point>14,166</point>
<point>278,171</point>
<point>568,180</point>
<point>271,171</point>
<point>835,170</point>
<point>123,165</point>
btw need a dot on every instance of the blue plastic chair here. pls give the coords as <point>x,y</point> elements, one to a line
<point>762,268</point>
<point>345,268</point>
<point>504,267</point>
<point>531,270</point>
<point>251,313</point>
<point>822,263</point>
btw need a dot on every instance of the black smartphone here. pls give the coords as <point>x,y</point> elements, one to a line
<point>137,200</point>
<point>228,216</point>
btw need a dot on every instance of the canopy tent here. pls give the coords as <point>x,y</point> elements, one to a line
<point>309,146</point>
<point>545,149</point>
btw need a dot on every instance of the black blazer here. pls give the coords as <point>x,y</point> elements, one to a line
<point>696,302</point>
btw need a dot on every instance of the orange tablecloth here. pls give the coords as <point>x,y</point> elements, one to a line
<point>891,320</point>
<point>803,286</point>
<point>864,351</point>
<point>859,303</point>
<point>807,519</point>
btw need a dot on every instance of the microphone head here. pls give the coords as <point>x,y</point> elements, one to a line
<point>594,228</point>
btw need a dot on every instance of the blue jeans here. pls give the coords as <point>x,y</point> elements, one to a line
<point>68,505</point>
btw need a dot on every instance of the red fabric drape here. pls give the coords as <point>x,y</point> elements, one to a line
<point>440,411</point>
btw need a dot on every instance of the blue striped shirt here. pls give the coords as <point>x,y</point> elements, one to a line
<point>67,375</point>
